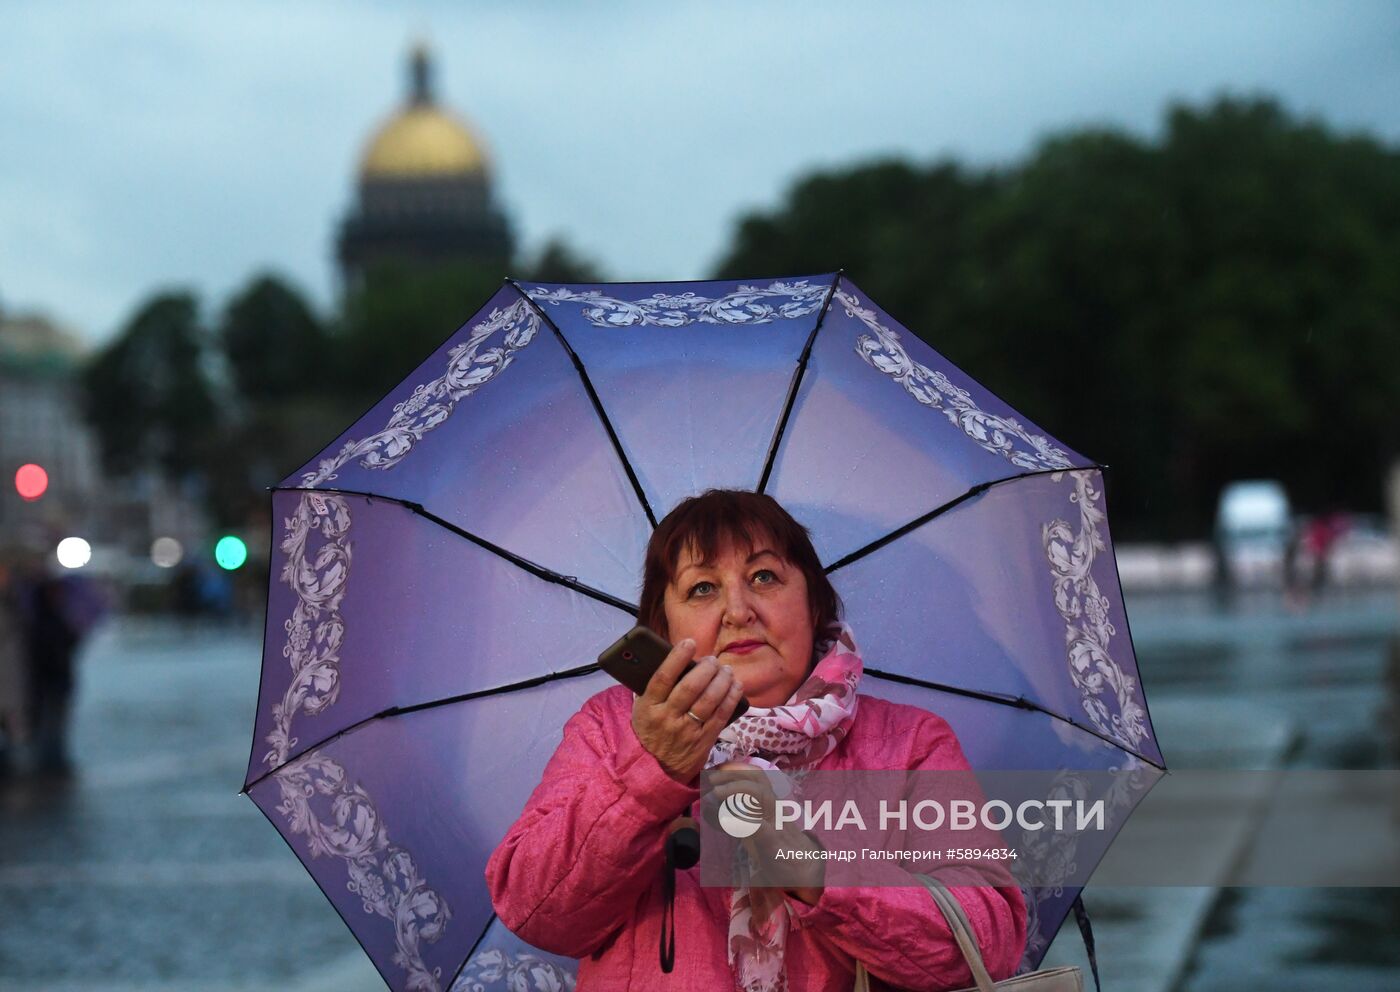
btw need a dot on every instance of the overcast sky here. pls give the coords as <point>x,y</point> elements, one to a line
<point>152,145</point>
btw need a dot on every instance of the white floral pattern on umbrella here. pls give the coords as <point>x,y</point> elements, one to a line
<point>469,367</point>
<point>1005,436</point>
<point>745,305</point>
<point>335,815</point>
<point>1088,629</point>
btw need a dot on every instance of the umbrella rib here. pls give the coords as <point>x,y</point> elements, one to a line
<point>795,383</point>
<point>430,704</point>
<point>918,522</point>
<point>597,403</point>
<point>472,953</point>
<point>1020,702</point>
<point>539,571</point>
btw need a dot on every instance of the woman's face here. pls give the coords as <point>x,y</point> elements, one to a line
<point>749,609</point>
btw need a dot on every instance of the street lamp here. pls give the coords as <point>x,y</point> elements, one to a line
<point>73,552</point>
<point>166,552</point>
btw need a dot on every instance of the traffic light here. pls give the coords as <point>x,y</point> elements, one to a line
<point>31,481</point>
<point>230,552</point>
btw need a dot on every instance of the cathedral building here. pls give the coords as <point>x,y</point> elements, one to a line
<point>424,191</point>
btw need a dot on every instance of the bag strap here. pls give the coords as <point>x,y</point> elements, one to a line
<point>862,979</point>
<point>962,931</point>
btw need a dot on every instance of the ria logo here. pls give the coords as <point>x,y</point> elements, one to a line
<point>741,815</point>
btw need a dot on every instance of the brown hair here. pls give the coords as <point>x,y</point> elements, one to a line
<point>705,522</point>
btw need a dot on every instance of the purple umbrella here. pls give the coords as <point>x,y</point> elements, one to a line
<point>445,572</point>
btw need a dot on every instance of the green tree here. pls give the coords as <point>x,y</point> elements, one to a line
<point>1215,304</point>
<point>147,393</point>
<point>396,319</point>
<point>273,341</point>
<point>557,261</point>
<point>282,368</point>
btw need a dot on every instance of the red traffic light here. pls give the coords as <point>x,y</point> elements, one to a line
<point>31,481</point>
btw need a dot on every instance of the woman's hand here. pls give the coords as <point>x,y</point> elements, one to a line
<point>660,716</point>
<point>803,878</point>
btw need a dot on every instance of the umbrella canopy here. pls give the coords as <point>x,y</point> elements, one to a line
<point>444,573</point>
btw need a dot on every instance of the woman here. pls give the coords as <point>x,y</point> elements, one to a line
<point>733,581</point>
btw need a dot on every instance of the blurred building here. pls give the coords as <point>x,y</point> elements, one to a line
<point>424,190</point>
<point>41,421</point>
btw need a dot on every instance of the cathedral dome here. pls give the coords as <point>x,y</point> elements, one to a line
<point>423,195</point>
<point>422,141</point>
<point>419,142</point>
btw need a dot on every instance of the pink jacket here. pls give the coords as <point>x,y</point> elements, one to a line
<point>579,873</point>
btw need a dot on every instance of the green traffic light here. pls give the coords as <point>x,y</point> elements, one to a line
<point>230,552</point>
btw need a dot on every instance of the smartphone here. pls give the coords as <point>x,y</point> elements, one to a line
<point>634,658</point>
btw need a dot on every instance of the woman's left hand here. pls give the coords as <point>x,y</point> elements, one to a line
<point>739,777</point>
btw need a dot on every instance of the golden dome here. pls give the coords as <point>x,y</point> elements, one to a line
<point>421,140</point>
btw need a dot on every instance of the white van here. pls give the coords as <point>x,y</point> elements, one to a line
<point>1253,525</point>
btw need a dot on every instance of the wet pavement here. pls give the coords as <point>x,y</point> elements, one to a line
<point>1318,674</point>
<point>1326,669</point>
<point>147,871</point>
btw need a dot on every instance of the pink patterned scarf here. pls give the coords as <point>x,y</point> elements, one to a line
<point>791,737</point>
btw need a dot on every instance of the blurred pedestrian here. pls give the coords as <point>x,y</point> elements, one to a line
<point>14,675</point>
<point>1294,590</point>
<point>1319,537</point>
<point>216,594</point>
<point>188,597</point>
<point>53,640</point>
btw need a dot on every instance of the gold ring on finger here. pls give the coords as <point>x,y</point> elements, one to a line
<point>691,714</point>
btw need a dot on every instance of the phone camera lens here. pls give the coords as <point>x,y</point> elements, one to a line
<point>627,656</point>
